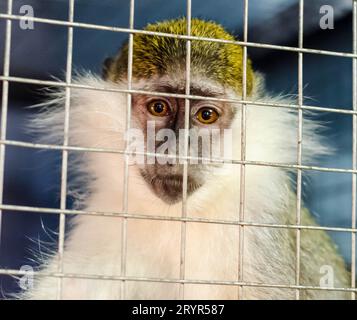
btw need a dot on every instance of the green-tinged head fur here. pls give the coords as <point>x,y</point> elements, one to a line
<point>158,55</point>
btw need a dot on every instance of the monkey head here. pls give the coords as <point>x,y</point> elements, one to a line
<point>159,65</point>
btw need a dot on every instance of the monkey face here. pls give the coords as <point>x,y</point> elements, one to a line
<point>159,64</point>
<point>162,121</point>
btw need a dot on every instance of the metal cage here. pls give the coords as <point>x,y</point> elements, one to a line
<point>63,211</point>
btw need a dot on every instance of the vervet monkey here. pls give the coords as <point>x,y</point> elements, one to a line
<point>153,250</point>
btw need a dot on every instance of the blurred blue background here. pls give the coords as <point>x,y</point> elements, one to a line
<point>33,178</point>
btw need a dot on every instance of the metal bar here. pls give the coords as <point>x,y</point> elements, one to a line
<point>177,95</point>
<point>299,148</point>
<point>243,154</point>
<point>185,37</point>
<point>64,167</point>
<point>212,160</point>
<point>124,237</point>
<point>4,106</point>
<point>354,152</point>
<point>166,280</point>
<point>167,218</point>
<point>186,142</point>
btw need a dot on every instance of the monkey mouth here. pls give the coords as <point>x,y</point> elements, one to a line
<point>170,187</point>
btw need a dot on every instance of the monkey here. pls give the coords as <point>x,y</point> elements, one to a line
<point>224,257</point>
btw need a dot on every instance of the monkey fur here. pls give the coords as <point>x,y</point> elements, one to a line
<point>94,243</point>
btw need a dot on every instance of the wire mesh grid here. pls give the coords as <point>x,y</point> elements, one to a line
<point>65,148</point>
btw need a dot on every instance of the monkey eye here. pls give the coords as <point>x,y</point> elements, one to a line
<point>158,108</point>
<point>207,115</point>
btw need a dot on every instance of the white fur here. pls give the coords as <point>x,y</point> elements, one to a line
<point>97,119</point>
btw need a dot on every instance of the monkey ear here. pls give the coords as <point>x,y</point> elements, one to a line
<point>106,67</point>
